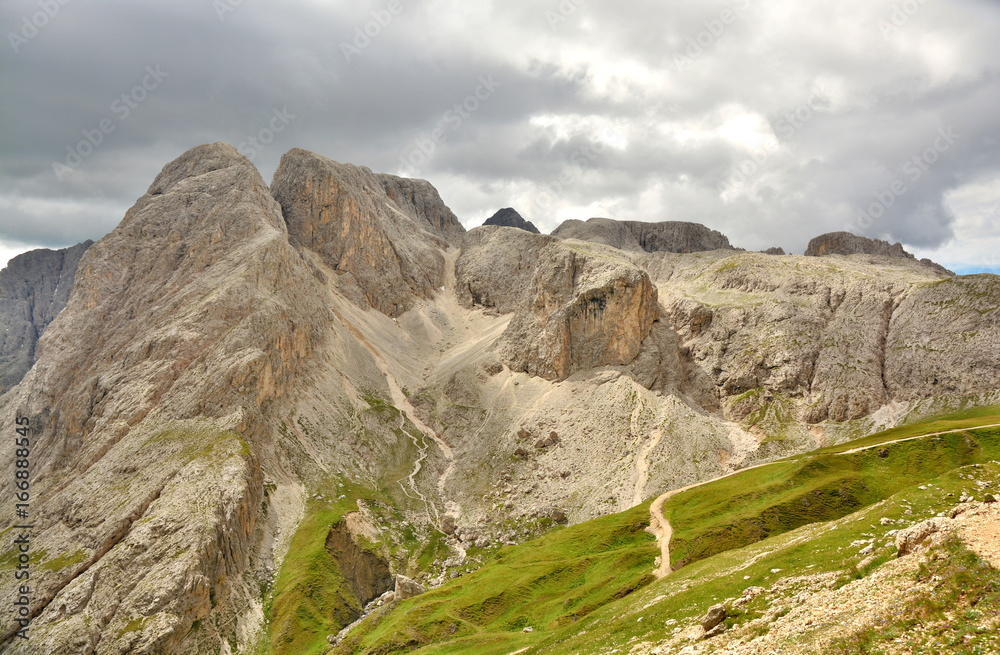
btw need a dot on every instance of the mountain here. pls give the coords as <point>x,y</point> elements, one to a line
<point>668,236</point>
<point>507,217</point>
<point>34,288</point>
<point>263,406</point>
<point>845,243</point>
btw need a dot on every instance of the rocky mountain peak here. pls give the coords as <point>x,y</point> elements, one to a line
<point>845,243</point>
<point>419,199</point>
<point>202,160</point>
<point>667,236</point>
<point>508,217</point>
<point>383,235</point>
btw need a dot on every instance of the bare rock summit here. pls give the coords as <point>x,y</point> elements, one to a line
<point>584,310</point>
<point>667,236</point>
<point>383,234</point>
<point>845,243</point>
<point>508,217</point>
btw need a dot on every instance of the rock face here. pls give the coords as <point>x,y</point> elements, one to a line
<point>420,200</point>
<point>845,243</point>
<point>34,288</point>
<point>367,574</point>
<point>943,339</point>
<point>668,236</point>
<point>178,336</point>
<point>583,311</point>
<point>383,234</point>
<point>496,267</point>
<point>508,217</point>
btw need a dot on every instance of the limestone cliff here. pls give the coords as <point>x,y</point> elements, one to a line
<point>387,249</point>
<point>34,288</point>
<point>497,265</point>
<point>584,309</point>
<point>943,339</point>
<point>811,339</point>
<point>420,200</point>
<point>668,236</point>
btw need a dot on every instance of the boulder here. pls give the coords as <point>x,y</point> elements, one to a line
<point>716,614</point>
<point>922,534</point>
<point>407,588</point>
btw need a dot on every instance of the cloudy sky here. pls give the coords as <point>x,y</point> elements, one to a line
<point>772,122</point>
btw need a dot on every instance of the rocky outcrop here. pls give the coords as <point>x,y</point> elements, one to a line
<point>387,252</point>
<point>508,217</point>
<point>34,288</point>
<point>583,311</point>
<point>845,243</point>
<point>668,236</point>
<point>407,588</point>
<point>496,267</point>
<point>366,573</point>
<point>922,535</point>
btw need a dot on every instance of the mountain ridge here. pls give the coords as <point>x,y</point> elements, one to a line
<point>259,352</point>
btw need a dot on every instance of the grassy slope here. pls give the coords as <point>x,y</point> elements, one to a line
<point>821,486</point>
<point>311,599</point>
<point>545,583</point>
<point>681,599</point>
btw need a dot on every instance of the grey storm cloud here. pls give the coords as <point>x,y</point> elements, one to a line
<point>772,122</point>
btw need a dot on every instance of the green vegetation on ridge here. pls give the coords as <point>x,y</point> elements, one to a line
<point>822,486</point>
<point>543,583</point>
